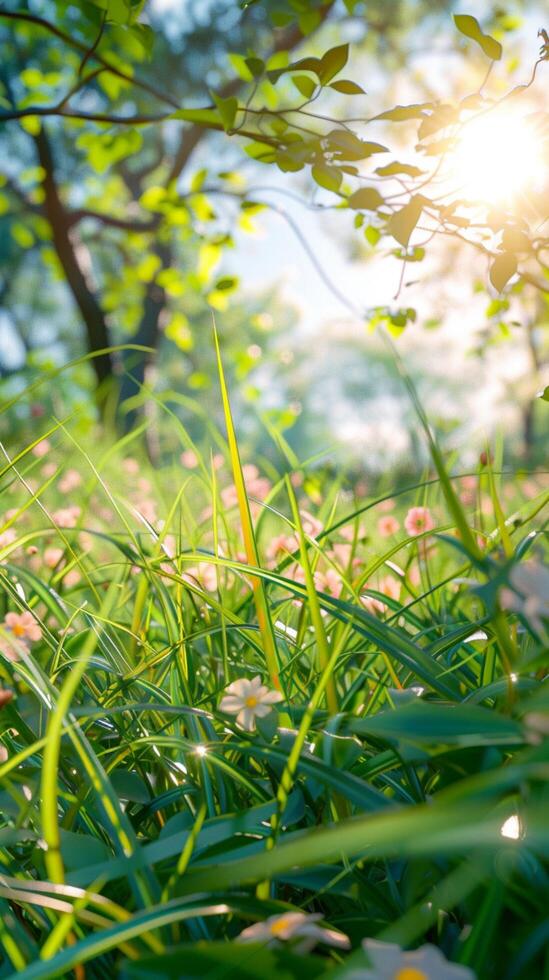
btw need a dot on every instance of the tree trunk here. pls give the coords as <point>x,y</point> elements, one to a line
<point>90,310</point>
<point>135,363</point>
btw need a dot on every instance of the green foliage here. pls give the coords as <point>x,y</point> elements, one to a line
<point>395,790</point>
<point>470,27</point>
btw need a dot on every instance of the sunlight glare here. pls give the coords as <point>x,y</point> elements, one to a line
<point>512,828</point>
<point>498,157</point>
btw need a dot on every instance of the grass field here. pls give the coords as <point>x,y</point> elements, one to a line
<point>255,724</point>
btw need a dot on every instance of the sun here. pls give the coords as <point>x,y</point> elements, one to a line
<point>498,158</point>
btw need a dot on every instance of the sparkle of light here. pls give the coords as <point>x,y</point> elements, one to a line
<point>511,828</point>
<point>498,157</point>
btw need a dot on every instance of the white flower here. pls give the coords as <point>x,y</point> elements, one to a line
<point>248,700</point>
<point>293,925</point>
<point>390,962</point>
<point>530,597</point>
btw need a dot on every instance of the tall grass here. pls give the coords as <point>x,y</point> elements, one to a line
<point>396,785</point>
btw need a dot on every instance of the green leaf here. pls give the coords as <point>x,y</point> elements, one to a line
<point>304,85</point>
<point>346,146</point>
<point>328,177</point>
<point>430,723</point>
<point>365,199</point>
<point>227,109</point>
<point>402,223</point>
<point>503,268</point>
<point>470,27</point>
<point>402,113</point>
<point>129,786</point>
<point>243,70</point>
<point>347,87</point>
<point>544,395</point>
<point>332,62</point>
<point>256,66</point>
<point>399,168</point>
<point>82,850</point>
<point>250,961</point>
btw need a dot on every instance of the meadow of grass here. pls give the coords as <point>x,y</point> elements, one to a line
<point>255,727</point>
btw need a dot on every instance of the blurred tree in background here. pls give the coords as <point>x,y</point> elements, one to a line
<point>105,196</point>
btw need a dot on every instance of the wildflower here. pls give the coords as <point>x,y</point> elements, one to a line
<point>67,516</point>
<point>218,460</point>
<point>311,525</point>
<point>42,448</point>
<point>293,926</point>
<point>418,520</point>
<point>48,469</point>
<point>282,545</point>
<point>7,537</point>
<point>387,526</point>
<point>147,509</point>
<point>70,481</point>
<point>529,595</point>
<point>189,459</point>
<point>348,532</point>
<point>203,575</point>
<point>342,553</point>
<point>130,466</point>
<point>389,586</point>
<point>329,581</point>
<point>5,697</point>
<point>390,962</point>
<point>52,557</point>
<point>21,629</point>
<point>22,625</point>
<point>247,700</point>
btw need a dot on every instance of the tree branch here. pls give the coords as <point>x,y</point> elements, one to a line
<point>89,53</point>
<point>287,41</point>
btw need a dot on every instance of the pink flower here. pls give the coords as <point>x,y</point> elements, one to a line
<point>348,532</point>
<point>390,586</point>
<point>7,537</point>
<point>147,509</point>
<point>42,448</point>
<point>67,516</point>
<point>23,629</point>
<point>203,575</point>
<point>281,545</point>
<point>342,553</point>
<point>189,459</point>
<point>70,481</point>
<point>387,526</point>
<point>329,581</point>
<point>311,525</point>
<point>130,466</point>
<point>418,520</point>
<point>52,557</point>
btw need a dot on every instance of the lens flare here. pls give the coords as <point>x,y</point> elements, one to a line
<point>498,158</point>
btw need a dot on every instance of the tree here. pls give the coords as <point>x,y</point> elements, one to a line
<point>111,195</point>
